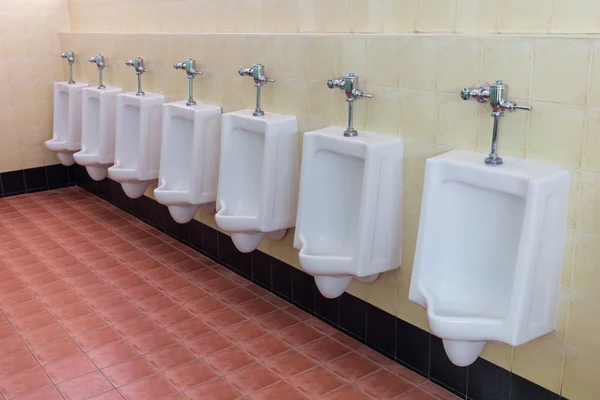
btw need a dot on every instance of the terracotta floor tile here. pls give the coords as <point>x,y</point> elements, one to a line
<point>217,389</point>
<point>236,296</point>
<point>73,311</point>
<point>6,331</point>
<point>223,318</point>
<point>60,300</point>
<point>205,305</point>
<point>352,366</point>
<point>11,286</point>
<point>154,387</point>
<point>156,303</point>
<point>188,266</point>
<point>437,391</point>
<point>296,312</point>
<point>145,265</point>
<point>24,383</point>
<point>17,363</point>
<point>406,374</point>
<point>112,395</point>
<point>277,301</point>
<point>203,275</point>
<point>127,282</point>
<point>324,349</point>
<point>152,341</point>
<point>99,338</point>
<point>53,352</point>
<point>48,334</point>
<point>383,385</point>
<point>243,332</point>
<point>265,347</point>
<point>84,280</point>
<point>188,375</point>
<point>115,273</point>
<point>69,368</point>
<point>109,301</point>
<point>289,364</point>
<point>120,313</point>
<point>11,345</point>
<point>257,290</point>
<point>20,296</point>
<point>299,334</point>
<point>103,263</point>
<point>36,321</point>
<point>85,386</point>
<point>40,279</point>
<point>281,390</point>
<point>276,320</point>
<point>320,326</point>
<point>135,327</point>
<point>346,340</point>
<point>172,284</point>
<point>47,393</point>
<point>254,308</point>
<point>85,324</point>
<point>170,316</point>
<point>128,372</point>
<point>169,357</point>
<point>316,382</point>
<point>93,291</point>
<point>346,393</point>
<point>188,329</point>
<point>157,274</point>
<point>112,354</point>
<point>228,360</point>
<point>172,257</point>
<point>140,292</point>
<point>217,285</point>
<point>33,269</point>
<point>416,394</point>
<point>251,378</point>
<point>208,344</point>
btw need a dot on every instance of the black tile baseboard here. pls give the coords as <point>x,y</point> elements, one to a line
<point>31,180</point>
<point>396,339</point>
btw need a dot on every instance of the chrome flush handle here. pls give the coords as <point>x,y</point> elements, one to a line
<point>349,84</point>
<point>70,57</point>
<point>257,71</point>
<point>189,66</point>
<point>99,61</point>
<point>138,65</point>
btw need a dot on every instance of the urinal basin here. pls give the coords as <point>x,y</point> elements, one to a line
<point>137,141</point>
<point>98,133</point>
<point>349,214</point>
<point>489,251</point>
<point>258,178</point>
<point>66,132</point>
<point>189,167</point>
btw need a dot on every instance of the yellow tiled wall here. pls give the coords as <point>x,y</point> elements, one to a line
<point>29,64</point>
<point>337,16</point>
<point>415,81</point>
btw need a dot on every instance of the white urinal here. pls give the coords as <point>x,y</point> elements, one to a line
<point>66,135</point>
<point>189,166</point>
<point>258,177</point>
<point>98,134</point>
<point>489,251</point>
<point>350,208</point>
<point>137,142</point>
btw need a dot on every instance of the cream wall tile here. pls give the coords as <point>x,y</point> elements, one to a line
<point>574,193</point>
<point>436,16</point>
<point>583,329</point>
<point>407,310</point>
<point>418,69</point>
<point>568,258</point>
<point>498,353</point>
<point>418,115</point>
<point>322,103</point>
<point>591,160</point>
<point>351,55</point>
<point>581,375</point>
<point>286,15</point>
<point>273,55</point>
<point>382,110</point>
<point>298,99</point>
<point>477,16</point>
<point>411,211</point>
<point>548,141</point>
<point>509,60</point>
<point>520,16</point>
<point>383,62</point>
<point>575,16</point>
<point>265,16</point>
<point>415,156</point>
<point>400,16</point>
<point>594,89</point>
<point>337,16</point>
<point>589,205</point>
<point>586,273</point>
<point>555,59</point>
<point>295,60</point>
<point>541,362</point>
<point>310,16</point>
<point>321,58</point>
<point>367,16</point>
<point>459,60</point>
<point>457,122</point>
<point>382,292</point>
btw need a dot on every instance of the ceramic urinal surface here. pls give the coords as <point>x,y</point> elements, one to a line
<point>137,142</point>
<point>98,134</point>
<point>489,251</point>
<point>189,167</point>
<point>258,177</point>
<point>350,208</point>
<point>66,133</point>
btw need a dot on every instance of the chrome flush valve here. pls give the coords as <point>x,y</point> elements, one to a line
<point>99,61</point>
<point>70,57</point>
<point>496,95</point>
<point>189,66</point>
<point>256,71</point>
<point>138,64</point>
<point>349,84</point>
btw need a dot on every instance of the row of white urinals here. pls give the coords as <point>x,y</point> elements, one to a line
<point>490,241</point>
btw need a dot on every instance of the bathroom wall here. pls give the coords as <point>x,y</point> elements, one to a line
<point>29,64</point>
<point>415,80</point>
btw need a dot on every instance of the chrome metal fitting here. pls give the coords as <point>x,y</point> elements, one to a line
<point>349,84</point>
<point>496,95</point>
<point>101,64</point>
<point>189,66</point>
<point>256,71</point>
<point>138,65</point>
<point>70,57</point>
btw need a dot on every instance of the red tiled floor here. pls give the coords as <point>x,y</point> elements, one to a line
<point>158,320</point>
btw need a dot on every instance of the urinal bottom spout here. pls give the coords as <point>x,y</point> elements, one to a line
<point>332,286</point>
<point>463,353</point>
<point>134,190</point>
<point>183,214</point>
<point>97,173</point>
<point>368,278</point>
<point>247,242</point>
<point>66,159</point>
